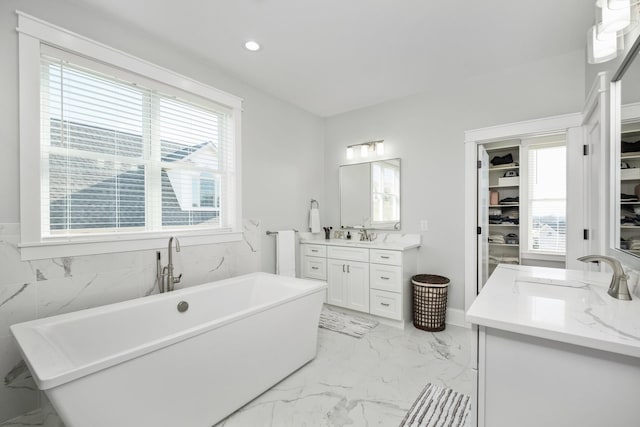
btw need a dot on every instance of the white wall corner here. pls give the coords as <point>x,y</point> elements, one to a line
<point>455,317</point>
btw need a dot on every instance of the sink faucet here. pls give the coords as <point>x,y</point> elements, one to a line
<point>167,271</point>
<point>618,287</point>
<point>366,236</point>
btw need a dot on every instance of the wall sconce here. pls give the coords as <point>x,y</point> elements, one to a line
<point>365,148</point>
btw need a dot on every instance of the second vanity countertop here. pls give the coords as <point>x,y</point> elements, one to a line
<point>585,316</point>
<point>401,244</point>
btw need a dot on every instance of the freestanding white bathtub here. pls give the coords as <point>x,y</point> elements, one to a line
<point>143,363</point>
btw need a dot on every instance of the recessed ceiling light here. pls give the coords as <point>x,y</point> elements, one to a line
<point>252,45</point>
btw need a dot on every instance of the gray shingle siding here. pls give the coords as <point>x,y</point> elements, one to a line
<point>93,201</point>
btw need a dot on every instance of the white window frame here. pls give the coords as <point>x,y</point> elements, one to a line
<point>527,144</point>
<point>32,34</point>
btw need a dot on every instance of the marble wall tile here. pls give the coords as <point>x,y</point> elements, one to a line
<point>17,304</point>
<point>74,293</point>
<point>57,268</point>
<point>18,392</point>
<point>13,269</point>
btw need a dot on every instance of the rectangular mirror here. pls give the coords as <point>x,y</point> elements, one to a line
<point>370,195</point>
<point>626,169</point>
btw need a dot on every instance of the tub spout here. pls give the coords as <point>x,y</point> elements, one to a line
<point>171,280</point>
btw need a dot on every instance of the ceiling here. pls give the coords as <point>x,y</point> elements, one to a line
<point>332,56</point>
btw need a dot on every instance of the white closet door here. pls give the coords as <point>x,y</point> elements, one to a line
<point>594,174</point>
<point>483,216</point>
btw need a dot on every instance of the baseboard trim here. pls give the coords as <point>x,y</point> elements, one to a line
<point>455,317</point>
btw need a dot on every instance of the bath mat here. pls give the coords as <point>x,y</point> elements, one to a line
<point>345,324</point>
<point>438,407</point>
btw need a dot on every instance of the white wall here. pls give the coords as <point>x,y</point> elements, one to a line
<point>282,169</point>
<point>277,137</point>
<point>426,132</point>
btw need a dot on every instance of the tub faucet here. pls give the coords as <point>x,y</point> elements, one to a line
<point>168,269</point>
<point>618,287</point>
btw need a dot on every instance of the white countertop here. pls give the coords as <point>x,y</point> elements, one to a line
<point>401,245</point>
<point>585,316</point>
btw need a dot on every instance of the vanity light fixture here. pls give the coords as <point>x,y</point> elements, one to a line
<point>349,153</point>
<point>254,46</point>
<point>614,19</point>
<point>601,48</point>
<point>365,148</point>
<point>615,15</point>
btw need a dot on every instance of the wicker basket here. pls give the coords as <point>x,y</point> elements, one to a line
<point>429,301</point>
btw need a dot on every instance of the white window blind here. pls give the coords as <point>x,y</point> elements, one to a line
<point>122,153</point>
<point>547,204</point>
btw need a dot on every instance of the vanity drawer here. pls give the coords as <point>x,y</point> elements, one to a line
<point>349,254</point>
<point>314,268</point>
<point>314,250</point>
<point>384,256</point>
<point>385,304</point>
<point>385,277</point>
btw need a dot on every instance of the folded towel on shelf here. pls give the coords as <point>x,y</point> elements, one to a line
<point>510,201</point>
<point>502,160</point>
<point>496,238</point>
<point>503,260</point>
<point>628,197</point>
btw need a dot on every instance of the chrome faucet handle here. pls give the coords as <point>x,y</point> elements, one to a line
<point>618,288</point>
<point>177,279</point>
<point>372,237</point>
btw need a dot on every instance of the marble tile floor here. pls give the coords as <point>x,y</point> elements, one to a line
<point>352,382</point>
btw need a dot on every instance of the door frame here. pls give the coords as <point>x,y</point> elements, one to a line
<point>475,137</point>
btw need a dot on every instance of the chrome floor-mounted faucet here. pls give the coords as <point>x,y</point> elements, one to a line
<point>618,287</point>
<point>167,271</point>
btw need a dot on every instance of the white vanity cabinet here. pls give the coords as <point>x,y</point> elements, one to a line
<point>554,355</point>
<point>386,284</point>
<point>314,262</point>
<point>374,279</point>
<point>348,283</point>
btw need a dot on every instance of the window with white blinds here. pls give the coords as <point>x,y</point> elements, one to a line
<point>122,153</point>
<point>547,198</point>
<point>385,189</point>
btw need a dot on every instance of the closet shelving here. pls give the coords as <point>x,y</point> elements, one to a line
<point>629,180</point>
<point>504,252</point>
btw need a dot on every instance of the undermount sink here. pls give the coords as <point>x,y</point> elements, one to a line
<point>551,281</point>
<point>538,287</point>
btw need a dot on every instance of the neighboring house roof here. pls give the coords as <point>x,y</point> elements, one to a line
<point>93,201</point>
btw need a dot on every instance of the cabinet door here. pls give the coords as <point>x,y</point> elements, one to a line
<point>357,285</point>
<point>335,280</point>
